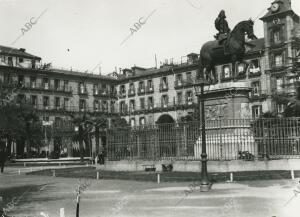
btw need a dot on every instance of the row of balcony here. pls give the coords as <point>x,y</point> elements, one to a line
<point>150,108</point>
<point>74,109</point>
<point>40,86</point>
<point>98,92</point>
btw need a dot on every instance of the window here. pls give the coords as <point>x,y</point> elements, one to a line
<point>96,89</point>
<point>150,102</point>
<point>164,100</point>
<point>105,105</point>
<point>141,87</point>
<point>56,84</point>
<point>142,103</point>
<point>46,102</point>
<point>82,105</point>
<point>226,72</point>
<point>132,122</point>
<point>241,68</point>
<point>280,108</point>
<point>112,105</point>
<point>279,83</point>
<point>278,60</point>
<point>164,82</point>
<point>46,83</point>
<point>290,84</point>
<point>122,107</point>
<point>189,97</point>
<point>122,90</point>
<point>66,85</point>
<point>66,103</point>
<point>276,36</point>
<point>21,80</point>
<point>96,105</point>
<point>57,102</point>
<point>81,88</point>
<point>10,61</point>
<point>150,85</point>
<point>33,82</point>
<point>179,98</point>
<point>104,89</point>
<point>131,105</point>
<point>142,121</point>
<point>21,60</point>
<point>256,111</point>
<point>256,88</point>
<point>179,79</point>
<point>33,100</point>
<point>189,77</point>
<point>254,66</point>
<point>131,88</point>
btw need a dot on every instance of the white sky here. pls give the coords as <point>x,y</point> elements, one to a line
<point>93,30</point>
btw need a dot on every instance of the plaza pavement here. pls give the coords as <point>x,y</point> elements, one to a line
<point>42,196</point>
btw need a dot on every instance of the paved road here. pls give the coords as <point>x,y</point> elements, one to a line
<point>141,199</point>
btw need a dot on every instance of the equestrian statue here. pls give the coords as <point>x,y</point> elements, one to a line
<point>229,46</point>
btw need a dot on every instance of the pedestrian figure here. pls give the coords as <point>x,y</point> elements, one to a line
<point>2,157</point>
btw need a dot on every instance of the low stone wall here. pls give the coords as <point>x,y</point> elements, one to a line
<point>213,166</point>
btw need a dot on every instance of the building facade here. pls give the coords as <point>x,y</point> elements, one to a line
<point>166,94</point>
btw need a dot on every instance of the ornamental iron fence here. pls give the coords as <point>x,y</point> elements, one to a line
<point>225,140</point>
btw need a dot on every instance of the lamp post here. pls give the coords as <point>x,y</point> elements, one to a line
<point>199,90</point>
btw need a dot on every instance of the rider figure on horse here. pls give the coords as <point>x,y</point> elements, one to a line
<point>222,26</point>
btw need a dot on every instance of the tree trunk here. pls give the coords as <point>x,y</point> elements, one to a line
<point>81,143</point>
<point>97,138</point>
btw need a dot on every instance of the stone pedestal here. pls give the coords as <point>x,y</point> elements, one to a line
<point>227,117</point>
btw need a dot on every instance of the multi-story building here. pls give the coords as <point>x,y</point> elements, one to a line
<point>56,93</point>
<point>166,94</point>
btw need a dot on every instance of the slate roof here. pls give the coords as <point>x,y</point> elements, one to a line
<point>17,52</point>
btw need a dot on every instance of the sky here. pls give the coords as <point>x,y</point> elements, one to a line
<point>89,34</point>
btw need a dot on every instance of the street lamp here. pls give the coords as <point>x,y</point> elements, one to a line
<point>199,90</point>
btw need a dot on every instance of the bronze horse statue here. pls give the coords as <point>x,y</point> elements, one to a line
<point>231,50</point>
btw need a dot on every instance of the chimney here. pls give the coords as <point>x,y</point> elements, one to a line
<point>22,50</point>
